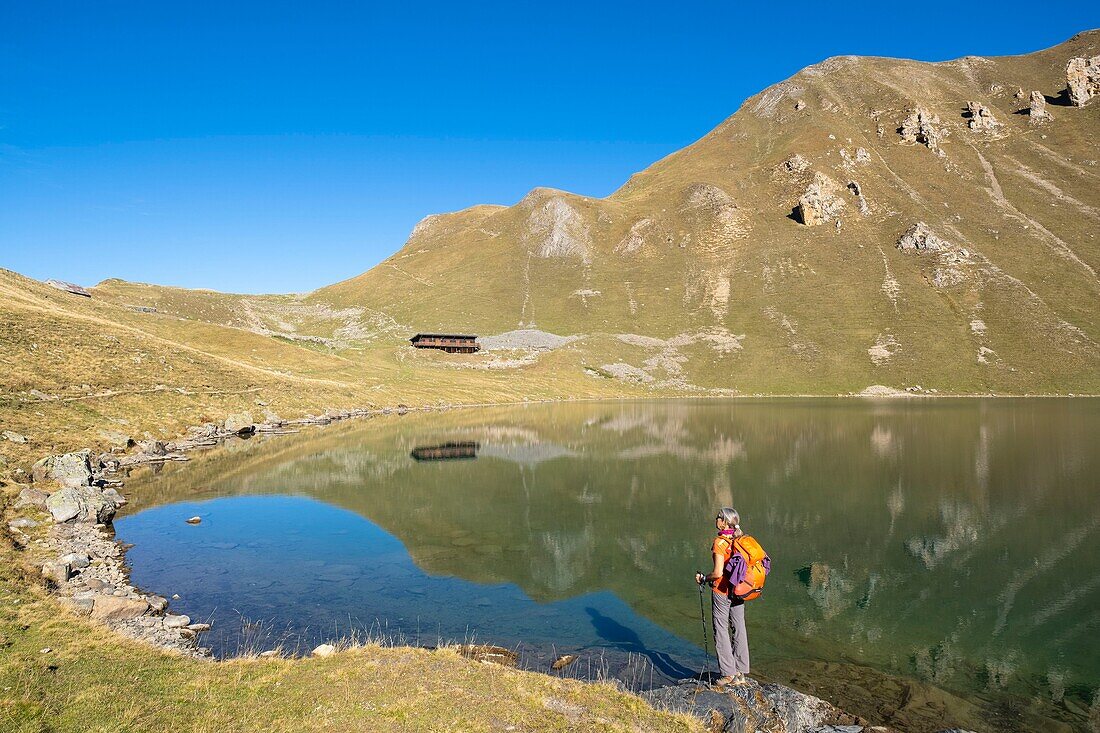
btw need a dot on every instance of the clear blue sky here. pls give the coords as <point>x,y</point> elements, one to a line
<point>278,147</point>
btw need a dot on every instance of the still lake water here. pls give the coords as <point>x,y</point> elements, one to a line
<point>934,561</point>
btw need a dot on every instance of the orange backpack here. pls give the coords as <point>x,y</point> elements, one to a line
<point>757,566</point>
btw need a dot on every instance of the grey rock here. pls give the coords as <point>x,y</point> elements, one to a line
<point>112,608</point>
<point>84,504</point>
<point>324,650</point>
<point>14,437</point>
<point>174,621</point>
<point>72,469</point>
<point>64,505</point>
<point>81,605</point>
<point>76,560</point>
<point>749,707</point>
<point>111,494</point>
<point>58,572</point>
<point>31,498</point>
<point>115,438</point>
<point>152,448</point>
<point>22,523</point>
<point>240,422</point>
<point>157,604</point>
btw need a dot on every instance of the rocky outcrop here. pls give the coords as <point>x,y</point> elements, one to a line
<point>980,117</point>
<point>751,707</point>
<point>821,202</point>
<point>1037,109</point>
<point>554,228</point>
<point>1083,80</point>
<point>920,238</point>
<point>920,127</point>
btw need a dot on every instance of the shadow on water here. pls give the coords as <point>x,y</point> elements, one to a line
<point>626,639</point>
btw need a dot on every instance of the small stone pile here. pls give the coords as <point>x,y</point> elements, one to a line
<point>920,238</point>
<point>1037,109</point>
<point>820,203</point>
<point>980,117</point>
<point>1083,80</point>
<point>920,127</point>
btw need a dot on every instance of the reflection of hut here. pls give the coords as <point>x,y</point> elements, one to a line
<point>449,342</point>
<point>446,452</point>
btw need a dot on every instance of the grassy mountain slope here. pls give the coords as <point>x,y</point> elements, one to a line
<point>81,369</point>
<point>705,242</point>
<point>696,277</point>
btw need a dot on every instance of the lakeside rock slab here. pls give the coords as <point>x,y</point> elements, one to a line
<point>750,707</point>
<point>114,608</point>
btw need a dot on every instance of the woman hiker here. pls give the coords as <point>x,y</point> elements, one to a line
<point>731,641</point>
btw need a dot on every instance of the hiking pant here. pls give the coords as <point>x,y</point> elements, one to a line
<point>729,621</point>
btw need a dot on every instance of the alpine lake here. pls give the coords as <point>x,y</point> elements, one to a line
<point>935,562</point>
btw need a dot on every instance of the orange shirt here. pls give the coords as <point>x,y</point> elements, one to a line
<point>723,545</point>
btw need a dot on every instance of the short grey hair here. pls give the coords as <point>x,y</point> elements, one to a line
<point>730,516</point>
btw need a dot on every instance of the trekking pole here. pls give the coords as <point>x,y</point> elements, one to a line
<point>703,621</point>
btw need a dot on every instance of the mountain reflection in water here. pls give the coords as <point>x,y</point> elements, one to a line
<point>945,546</point>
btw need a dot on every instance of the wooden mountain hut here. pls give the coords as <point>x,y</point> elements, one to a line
<point>449,342</point>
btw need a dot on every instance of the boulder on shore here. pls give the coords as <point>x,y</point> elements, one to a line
<point>240,423</point>
<point>114,608</point>
<point>70,469</point>
<point>58,572</point>
<point>82,503</point>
